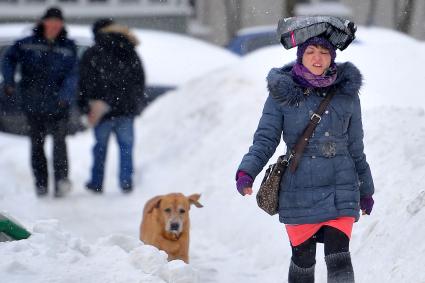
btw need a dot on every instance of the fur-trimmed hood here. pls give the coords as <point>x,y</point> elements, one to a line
<point>287,92</point>
<point>121,31</point>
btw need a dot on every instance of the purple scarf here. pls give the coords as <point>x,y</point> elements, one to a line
<point>305,78</point>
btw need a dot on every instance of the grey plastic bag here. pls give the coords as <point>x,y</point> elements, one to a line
<point>296,30</point>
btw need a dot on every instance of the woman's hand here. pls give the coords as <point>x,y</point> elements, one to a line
<point>366,204</point>
<point>247,191</point>
<point>244,183</point>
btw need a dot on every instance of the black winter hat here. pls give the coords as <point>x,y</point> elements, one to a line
<point>100,24</point>
<point>53,12</point>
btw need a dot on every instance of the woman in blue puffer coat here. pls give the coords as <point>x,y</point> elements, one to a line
<point>321,200</point>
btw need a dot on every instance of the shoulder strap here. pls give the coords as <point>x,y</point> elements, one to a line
<point>302,142</point>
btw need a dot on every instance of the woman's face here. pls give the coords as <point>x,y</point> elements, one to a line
<point>316,59</point>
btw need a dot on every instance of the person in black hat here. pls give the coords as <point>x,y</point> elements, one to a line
<point>53,12</point>
<point>49,77</point>
<point>112,87</point>
<point>100,24</point>
<point>52,22</point>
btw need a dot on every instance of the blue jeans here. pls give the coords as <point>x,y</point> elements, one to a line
<point>123,129</point>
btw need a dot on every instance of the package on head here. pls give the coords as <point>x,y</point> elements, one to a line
<point>294,31</point>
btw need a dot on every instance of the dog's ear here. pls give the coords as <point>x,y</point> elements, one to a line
<point>152,203</point>
<point>193,199</point>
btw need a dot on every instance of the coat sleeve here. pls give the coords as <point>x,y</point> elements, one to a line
<point>139,84</point>
<point>266,139</point>
<point>140,76</point>
<point>356,149</point>
<point>88,82</point>
<point>10,60</point>
<point>68,90</point>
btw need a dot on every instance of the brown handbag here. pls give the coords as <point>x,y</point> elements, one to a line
<point>268,194</point>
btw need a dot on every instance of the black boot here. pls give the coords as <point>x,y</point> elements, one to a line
<point>300,275</point>
<point>340,269</point>
<point>41,191</point>
<point>62,188</point>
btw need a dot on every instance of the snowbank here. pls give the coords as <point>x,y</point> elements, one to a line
<point>174,59</point>
<point>53,255</point>
<point>199,134</point>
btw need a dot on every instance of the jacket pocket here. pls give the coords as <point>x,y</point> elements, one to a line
<point>345,173</point>
<point>307,203</point>
<point>347,197</point>
<point>295,199</point>
<point>345,122</point>
<point>324,198</point>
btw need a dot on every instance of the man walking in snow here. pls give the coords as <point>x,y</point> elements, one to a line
<point>48,68</point>
<point>112,86</point>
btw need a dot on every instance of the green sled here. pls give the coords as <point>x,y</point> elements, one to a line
<point>11,230</point>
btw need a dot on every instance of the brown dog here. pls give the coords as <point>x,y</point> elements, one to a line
<point>166,224</point>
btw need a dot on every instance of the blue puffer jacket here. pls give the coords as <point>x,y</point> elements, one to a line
<point>333,172</point>
<point>49,74</point>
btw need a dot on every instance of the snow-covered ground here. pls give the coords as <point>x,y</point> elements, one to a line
<point>191,141</point>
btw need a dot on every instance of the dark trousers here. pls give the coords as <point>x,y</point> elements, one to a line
<point>40,127</point>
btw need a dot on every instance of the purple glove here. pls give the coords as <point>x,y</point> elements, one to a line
<point>366,204</point>
<point>243,181</point>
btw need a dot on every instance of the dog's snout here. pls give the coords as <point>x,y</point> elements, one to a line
<point>174,226</point>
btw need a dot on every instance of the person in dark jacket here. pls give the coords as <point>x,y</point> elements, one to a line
<point>112,86</point>
<point>49,78</point>
<point>321,200</point>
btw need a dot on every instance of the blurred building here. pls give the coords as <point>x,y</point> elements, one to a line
<point>389,14</point>
<point>219,20</point>
<point>169,15</point>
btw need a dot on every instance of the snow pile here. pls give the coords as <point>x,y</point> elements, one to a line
<point>52,255</point>
<point>199,134</point>
<point>175,59</point>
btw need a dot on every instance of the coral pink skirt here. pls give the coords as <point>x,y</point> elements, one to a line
<point>298,234</point>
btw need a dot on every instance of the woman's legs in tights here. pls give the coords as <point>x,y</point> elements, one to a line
<point>337,257</point>
<point>335,241</point>
<point>301,269</point>
<point>304,255</point>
